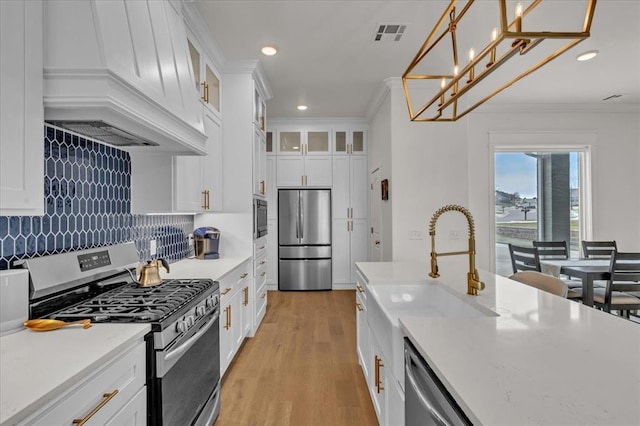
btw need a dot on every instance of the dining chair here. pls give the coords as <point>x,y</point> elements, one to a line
<point>524,258</point>
<point>552,249</point>
<point>528,259</point>
<point>542,281</point>
<point>598,249</point>
<point>625,278</point>
<point>557,250</point>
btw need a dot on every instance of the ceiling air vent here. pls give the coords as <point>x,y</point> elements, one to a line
<point>389,32</point>
<point>608,98</point>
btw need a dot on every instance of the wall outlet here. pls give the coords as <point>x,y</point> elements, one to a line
<point>190,239</point>
<point>153,247</point>
<point>416,235</point>
<point>454,234</point>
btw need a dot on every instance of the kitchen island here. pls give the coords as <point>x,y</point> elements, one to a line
<point>542,360</point>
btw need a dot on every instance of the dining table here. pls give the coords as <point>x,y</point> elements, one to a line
<point>587,270</point>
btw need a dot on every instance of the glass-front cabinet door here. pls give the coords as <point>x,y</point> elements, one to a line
<point>349,142</point>
<point>318,143</point>
<point>290,142</point>
<point>270,147</point>
<point>205,76</point>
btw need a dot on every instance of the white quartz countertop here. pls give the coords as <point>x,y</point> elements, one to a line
<point>37,367</point>
<point>544,360</point>
<point>203,268</point>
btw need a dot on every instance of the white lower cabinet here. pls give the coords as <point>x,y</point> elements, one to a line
<point>272,252</point>
<point>232,317</point>
<point>385,389</point>
<point>349,245</point>
<point>116,394</point>
<point>260,253</point>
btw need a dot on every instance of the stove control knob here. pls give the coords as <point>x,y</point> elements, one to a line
<point>190,321</point>
<point>215,300</point>
<point>181,326</point>
<point>200,311</point>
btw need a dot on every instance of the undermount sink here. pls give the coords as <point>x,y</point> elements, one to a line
<point>390,301</point>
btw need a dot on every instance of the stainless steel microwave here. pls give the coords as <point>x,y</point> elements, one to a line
<point>259,218</point>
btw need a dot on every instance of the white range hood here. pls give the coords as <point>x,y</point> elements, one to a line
<point>120,71</point>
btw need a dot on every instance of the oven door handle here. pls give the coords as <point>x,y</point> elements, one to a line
<point>172,357</point>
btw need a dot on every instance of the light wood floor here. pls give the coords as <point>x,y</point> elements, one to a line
<point>301,367</point>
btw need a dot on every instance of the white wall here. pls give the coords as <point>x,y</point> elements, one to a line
<point>614,167</point>
<point>434,164</point>
<point>380,157</point>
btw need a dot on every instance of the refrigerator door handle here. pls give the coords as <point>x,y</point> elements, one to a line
<point>300,215</point>
<point>298,218</point>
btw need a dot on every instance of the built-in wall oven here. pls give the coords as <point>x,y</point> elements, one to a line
<point>183,347</point>
<point>259,218</point>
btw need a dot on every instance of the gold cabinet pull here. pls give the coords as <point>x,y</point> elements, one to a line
<point>246,296</point>
<point>262,187</point>
<point>205,91</point>
<point>106,398</point>
<point>263,295</point>
<point>263,262</point>
<point>263,273</point>
<point>379,365</point>
<point>261,248</point>
<point>204,200</point>
<point>359,306</point>
<point>359,288</point>
<point>229,307</point>
<point>227,312</point>
<point>208,204</point>
<point>244,275</point>
<point>226,290</point>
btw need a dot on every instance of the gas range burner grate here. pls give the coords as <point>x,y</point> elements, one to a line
<point>132,303</point>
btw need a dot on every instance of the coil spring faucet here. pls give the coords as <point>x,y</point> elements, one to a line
<point>473,280</point>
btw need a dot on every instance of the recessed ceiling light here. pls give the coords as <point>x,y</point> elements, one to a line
<point>587,55</point>
<point>302,107</point>
<point>269,50</point>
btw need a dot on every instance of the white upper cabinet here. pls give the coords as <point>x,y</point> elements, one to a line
<point>125,63</point>
<point>347,142</point>
<point>306,143</point>
<point>21,120</point>
<point>205,75</point>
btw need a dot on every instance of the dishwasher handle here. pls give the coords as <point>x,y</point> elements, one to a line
<point>428,395</point>
<point>410,364</point>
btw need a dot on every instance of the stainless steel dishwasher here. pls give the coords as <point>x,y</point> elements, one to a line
<point>427,402</point>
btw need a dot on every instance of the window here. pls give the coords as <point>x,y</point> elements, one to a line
<point>540,194</point>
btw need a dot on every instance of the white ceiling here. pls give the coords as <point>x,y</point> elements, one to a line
<point>328,58</point>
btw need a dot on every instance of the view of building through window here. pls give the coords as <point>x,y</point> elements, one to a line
<point>536,198</point>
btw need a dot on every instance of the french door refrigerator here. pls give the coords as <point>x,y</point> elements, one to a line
<point>304,239</point>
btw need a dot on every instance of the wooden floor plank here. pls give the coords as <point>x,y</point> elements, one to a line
<point>301,368</point>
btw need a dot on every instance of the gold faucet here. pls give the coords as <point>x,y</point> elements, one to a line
<point>473,280</point>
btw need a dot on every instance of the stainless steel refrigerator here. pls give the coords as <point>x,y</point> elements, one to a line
<point>304,239</point>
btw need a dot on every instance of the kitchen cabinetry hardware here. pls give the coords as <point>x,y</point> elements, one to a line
<point>263,295</point>
<point>263,273</point>
<point>359,306</point>
<point>261,247</point>
<point>106,398</point>
<point>263,262</point>
<point>227,323</point>
<point>359,288</point>
<point>226,290</point>
<point>205,91</point>
<point>244,275</point>
<point>262,187</point>
<point>205,200</point>
<point>246,296</point>
<point>378,365</point>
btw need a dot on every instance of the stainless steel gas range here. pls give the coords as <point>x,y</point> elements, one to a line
<point>183,347</point>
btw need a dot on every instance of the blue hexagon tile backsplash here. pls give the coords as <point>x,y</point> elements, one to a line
<point>87,195</point>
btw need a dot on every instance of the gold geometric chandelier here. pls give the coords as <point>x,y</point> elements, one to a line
<point>510,40</point>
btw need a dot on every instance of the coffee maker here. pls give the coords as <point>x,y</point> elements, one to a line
<point>206,242</point>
